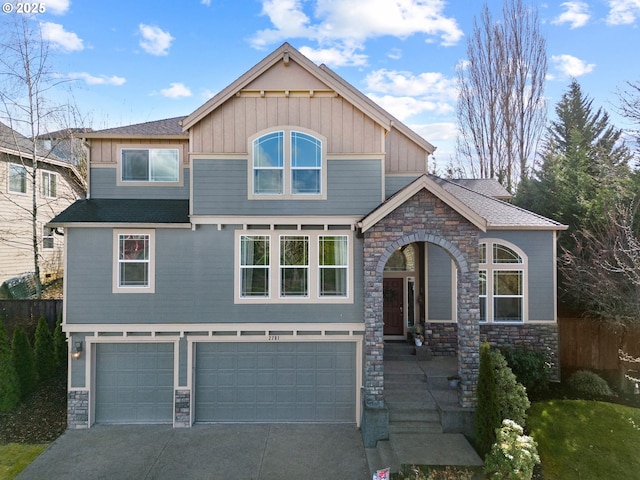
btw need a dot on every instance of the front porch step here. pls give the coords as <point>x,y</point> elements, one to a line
<point>415,427</point>
<point>414,414</point>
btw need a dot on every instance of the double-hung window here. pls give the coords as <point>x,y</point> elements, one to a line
<point>151,165</point>
<point>17,178</point>
<point>49,180</point>
<point>48,239</point>
<point>293,267</point>
<point>134,270</point>
<point>287,164</point>
<point>502,271</point>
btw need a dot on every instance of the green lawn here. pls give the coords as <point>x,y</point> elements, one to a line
<point>14,457</point>
<point>580,439</point>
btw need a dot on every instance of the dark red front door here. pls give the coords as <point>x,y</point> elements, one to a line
<point>393,296</point>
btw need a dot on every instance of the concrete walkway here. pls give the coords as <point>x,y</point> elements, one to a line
<point>222,451</point>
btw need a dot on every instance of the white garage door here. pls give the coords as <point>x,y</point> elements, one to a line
<point>134,383</point>
<point>275,382</point>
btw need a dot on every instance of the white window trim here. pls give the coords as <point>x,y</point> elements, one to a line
<point>52,237</point>
<point>49,174</point>
<point>287,195</point>
<point>151,288</point>
<point>490,267</point>
<point>26,183</point>
<point>274,267</point>
<point>126,183</point>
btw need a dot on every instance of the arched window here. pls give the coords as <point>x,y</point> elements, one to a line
<point>287,163</point>
<point>502,271</point>
<point>402,260</point>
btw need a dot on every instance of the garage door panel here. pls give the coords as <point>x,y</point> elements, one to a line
<point>134,383</point>
<point>283,381</point>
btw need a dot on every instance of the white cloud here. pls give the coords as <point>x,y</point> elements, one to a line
<point>576,14</point>
<point>404,107</point>
<point>335,57</point>
<point>352,22</point>
<point>623,12</point>
<point>155,41</point>
<point>571,66</point>
<point>57,7</point>
<point>205,2</point>
<point>429,84</point>
<point>97,80</point>
<point>59,38</point>
<point>176,90</point>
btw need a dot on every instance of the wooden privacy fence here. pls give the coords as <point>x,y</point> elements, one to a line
<point>26,313</point>
<point>589,344</point>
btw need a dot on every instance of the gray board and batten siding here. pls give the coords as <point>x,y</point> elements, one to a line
<point>194,283</point>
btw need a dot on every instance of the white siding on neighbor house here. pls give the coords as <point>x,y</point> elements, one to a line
<point>16,249</point>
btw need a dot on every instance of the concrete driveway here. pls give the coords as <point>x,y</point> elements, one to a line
<point>221,451</point>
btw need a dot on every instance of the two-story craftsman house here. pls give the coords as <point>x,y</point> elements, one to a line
<point>236,264</point>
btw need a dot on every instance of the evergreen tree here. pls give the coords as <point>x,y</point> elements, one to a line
<point>9,386</point>
<point>60,346</point>
<point>24,362</point>
<point>487,418</point>
<point>45,359</point>
<point>584,166</point>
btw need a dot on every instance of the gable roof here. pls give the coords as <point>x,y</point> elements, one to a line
<point>485,212</point>
<point>15,144</point>
<point>288,53</point>
<point>166,128</point>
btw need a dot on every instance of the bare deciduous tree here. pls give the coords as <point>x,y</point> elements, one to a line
<point>501,108</point>
<point>27,85</point>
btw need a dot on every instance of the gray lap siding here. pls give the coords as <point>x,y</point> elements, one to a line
<point>354,188</point>
<point>194,273</point>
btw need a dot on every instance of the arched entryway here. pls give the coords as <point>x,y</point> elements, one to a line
<point>422,218</point>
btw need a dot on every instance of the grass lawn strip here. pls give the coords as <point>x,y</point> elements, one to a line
<point>14,457</point>
<point>580,439</point>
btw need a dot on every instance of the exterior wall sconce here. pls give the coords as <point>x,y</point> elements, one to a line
<point>77,352</point>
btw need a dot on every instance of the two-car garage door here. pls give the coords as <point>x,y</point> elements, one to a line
<point>275,382</point>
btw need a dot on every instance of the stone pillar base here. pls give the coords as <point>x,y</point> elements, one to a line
<point>182,417</point>
<point>78,409</point>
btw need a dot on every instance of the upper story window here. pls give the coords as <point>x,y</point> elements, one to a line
<point>17,178</point>
<point>293,267</point>
<point>151,165</point>
<point>287,163</point>
<point>49,181</point>
<point>134,262</point>
<point>502,271</point>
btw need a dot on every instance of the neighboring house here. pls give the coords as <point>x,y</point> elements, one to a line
<point>58,185</point>
<point>245,263</point>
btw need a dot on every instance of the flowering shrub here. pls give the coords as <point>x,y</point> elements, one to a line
<point>513,455</point>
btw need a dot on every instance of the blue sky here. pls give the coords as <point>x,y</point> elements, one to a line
<point>136,61</point>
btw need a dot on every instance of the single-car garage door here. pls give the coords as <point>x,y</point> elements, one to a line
<point>134,383</point>
<point>275,382</point>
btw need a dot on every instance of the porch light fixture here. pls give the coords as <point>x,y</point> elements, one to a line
<point>77,352</point>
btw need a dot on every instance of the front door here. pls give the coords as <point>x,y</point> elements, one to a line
<point>393,314</point>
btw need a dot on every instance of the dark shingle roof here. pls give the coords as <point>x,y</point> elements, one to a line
<point>485,186</point>
<point>497,213</point>
<point>105,210</point>
<point>13,140</point>
<point>168,126</point>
